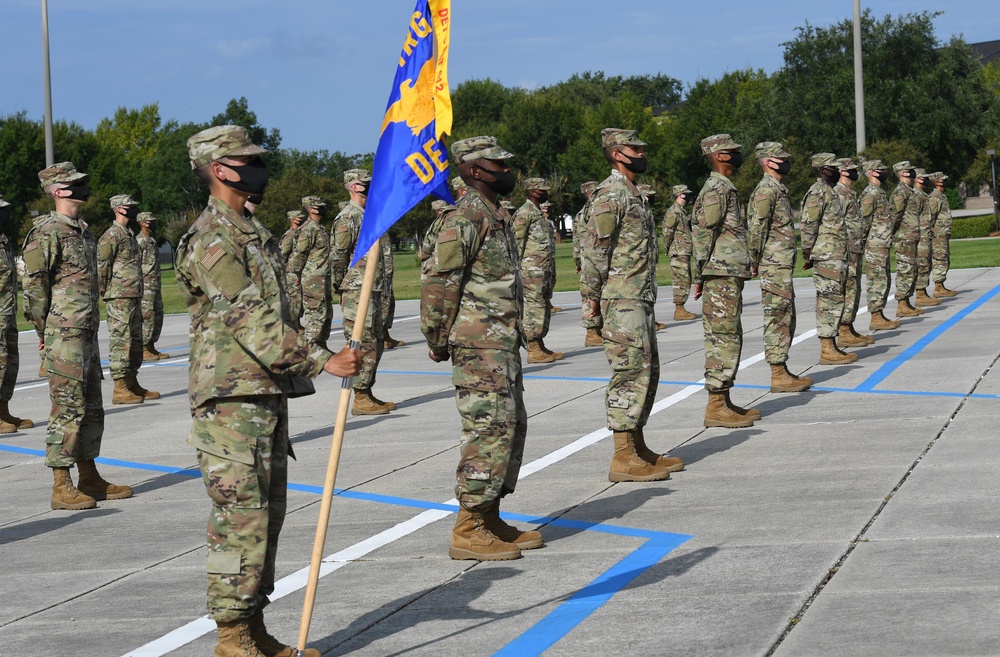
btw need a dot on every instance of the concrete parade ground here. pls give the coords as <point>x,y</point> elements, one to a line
<point>859,518</point>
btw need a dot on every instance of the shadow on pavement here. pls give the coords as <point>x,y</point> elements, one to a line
<point>692,452</point>
<point>24,531</point>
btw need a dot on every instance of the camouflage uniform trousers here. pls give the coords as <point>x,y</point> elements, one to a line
<point>536,312</point>
<point>722,311</point>
<point>388,309</point>
<point>924,258</point>
<point>489,396</point>
<point>152,316</point>
<point>76,423</point>
<point>125,337</point>
<point>877,270</point>
<point>777,296</point>
<point>632,352</point>
<point>852,289</point>
<point>906,274</point>
<point>829,277</point>
<point>243,450</point>
<point>10,360</point>
<point>680,271</point>
<point>940,257</point>
<point>371,340</point>
<point>317,319</point>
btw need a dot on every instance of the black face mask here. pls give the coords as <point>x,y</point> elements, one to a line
<point>256,199</point>
<point>880,176</point>
<point>503,182</point>
<point>830,176</point>
<point>689,198</point>
<point>542,198</point>
<point>78,192</point>
<point>132,213</point>
<point>853,175</point>
<point>735,160</point>
<point>253,177</point>
<point>637,165</point>
<point>4,214</point>
<point>783,167</point>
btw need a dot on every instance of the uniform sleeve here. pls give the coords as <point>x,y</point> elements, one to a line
<point>577,232</point>
<point>669,230</point>
<point>107,250</point>
<point>603,216</point>
<point>387,262</point>
<point>759,224</point>
<point>812,213</point>
<point>710,209</point>
<point>519,224</point>
<point>898,205</point>
<point>441,279</point>
<point>301,246</point>
<point>341,244</point>
<point>41,251</point>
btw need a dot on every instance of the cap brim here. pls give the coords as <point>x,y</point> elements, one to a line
<point>634,142</point>
<point>252,149</point>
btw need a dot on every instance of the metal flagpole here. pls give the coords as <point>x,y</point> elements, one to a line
<point>50,157</point>
<point>859,83</point>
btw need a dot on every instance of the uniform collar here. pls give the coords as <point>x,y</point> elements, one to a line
<point>74,222</point>
<point>221,207</point>
<point>726,181</point>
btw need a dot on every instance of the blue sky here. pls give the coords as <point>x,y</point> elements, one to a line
<point>320,70</point>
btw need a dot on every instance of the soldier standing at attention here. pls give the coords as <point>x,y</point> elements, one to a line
<point>847,336</point>
<point>591,322</point>
<point>9,355</point>
<point>119,275</point>
<point>720,268</point>
<point>309,263</point>
<point>620,262</point>
<point>772,245</point>
<point>824,250</point>
<point>536,253</point>
<point>470,305</point>
<point>940,247</point>
<point>292,284</point>
<point>878,221</point>
<point>347,280</point>
<point>905,206</point>
<point>152,298</point>
<point>60,299</point>
<point>245,354</point>
<point>677,245</point>
<point>926,223</point>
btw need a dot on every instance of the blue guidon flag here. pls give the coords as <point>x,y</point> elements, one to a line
<point>411,161</point>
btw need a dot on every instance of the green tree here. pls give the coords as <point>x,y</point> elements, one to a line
<point>167,183</point>
<point>23,146</point>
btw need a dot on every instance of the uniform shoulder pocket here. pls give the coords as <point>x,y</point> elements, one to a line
<point>34,260</point>
<point>449,253</point>
<point>867,205</point>
<point>712,209</point>
<point>605,220</point>
<point>224,271</point>
<point>762,204</point>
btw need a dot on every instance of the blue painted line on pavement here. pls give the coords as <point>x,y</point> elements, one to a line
<point>882,373</point>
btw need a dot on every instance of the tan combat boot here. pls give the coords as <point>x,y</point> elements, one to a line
<point>867,338</point>
<point>235,640</point>
<point>528,540</point>
<point>365,404</point>
<point>847,339</point>
<point>904,309</point>
<point>924,299</point>
<point>784,381</point>
<point>65,495</point>
<point>751,413</point>
<point>829,354</point>
<point>536,354</point>
<point>390,405</point>
<point>149,355</point>
<point>7,418</point>
<point>627,465</point>
<point>882,323</point>
<point>389,343</point>
<point>718,414</point>
<point>554,309</point>
<point>593,338</point>
<point>941,291</point>
<point>124,395</point>
<point>93,484</point>
<point>659,326</point>
<point>133,385</point>
<point>42,372</point>
<point>470,539</point>
<point>268,645</point>
<point>681,314</point>
<point>558,354</point>
<point>7,427</point>
<point>671,463</point>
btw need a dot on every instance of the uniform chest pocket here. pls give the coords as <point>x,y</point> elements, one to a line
<point>495,255</point>
<point>261,271</point>
<point>75,254</point>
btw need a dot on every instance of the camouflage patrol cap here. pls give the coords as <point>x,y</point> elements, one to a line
<point>647,190</point>
<point>588,187</point>
<point>313,202</point>
<point>847,164</point>
<point>477,148</point>
<point>920,173</point>
<point>119,200</point>
<point>3,203</point>
<point>63,173</point>
<point>220,141</point>
<point>357,176</point>
<point>937,176</point>
<point>620,137</point>
<point>770,149</point>
<point>873,165</point>
<point>507,204</point>
<point>677,190</point>
<point>540,184</point>
<point>902,166</point>
<point>438,205</point>
<point>296,214</point>
<point>457,183</point>
<point>717,143</point>
<point>545,206</point>
<point>824,160</point>
<point>146,216</point>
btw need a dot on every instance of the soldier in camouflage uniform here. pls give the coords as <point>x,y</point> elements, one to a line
<point>347,280</point>
<point>246,357</point>
<point>152,298</point>
<point>119,276</point>
<point>940,248</point>
<point>547,211</point>
<point>922,187</point>
<point>772,245</point>
<point>620,261</point>
<point>9,355</point>
<point>309,265</point>
<point>824,250</point>
<point>591,322</point>
<point>906,207</point>
<point>60,300</point>
<point>470,304</point>
<point>878,226</point>
<point>536,252</point>
<point>720,268</point>
<point>292,283</point>
<point>458,186</point>
<point>847,336</point>
<point>677,245</point>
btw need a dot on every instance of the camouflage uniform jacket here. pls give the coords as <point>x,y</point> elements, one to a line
<point>940,213</point>
<point>924,220</point>
<point>852,218</point>
<point>536,249</point>
<point>149,263</point>
<point>579,229</point>
<point>60,282</point>
<point>309,261</point>
<point>242,340</point>
<point>719,232</point>
<point>343,239</point>
<point>677,232</point>
<point>620,258</point>
<point>772,240</point>
<point>287,241</point>
<point>824,232</point>
<point>877,217</point>
<point>8,278</point>
<point>119,272</point>
<point>905,207</point>
<point>470,290</point>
